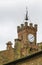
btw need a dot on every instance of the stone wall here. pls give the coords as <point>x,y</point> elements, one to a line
<point>37,60</point>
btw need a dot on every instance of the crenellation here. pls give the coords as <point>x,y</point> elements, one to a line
<point>17,40</point>
<point>26,24</point>
<point>18,28</point>
<point>35,26</point>
<point>22,25</point>
<point>31,24</point>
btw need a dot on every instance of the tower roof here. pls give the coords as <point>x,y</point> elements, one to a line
<point>26,16</point>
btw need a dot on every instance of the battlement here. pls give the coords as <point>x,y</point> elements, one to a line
<point>31,25</point>
<point>25,25</point>
<point>17,40</point>
<point>22,25</point>
<point>35,26</point>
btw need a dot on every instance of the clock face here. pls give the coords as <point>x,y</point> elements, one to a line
<point>31,38</point>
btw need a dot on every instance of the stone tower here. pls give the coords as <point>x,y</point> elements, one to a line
<point>27,34</point>
<point>17,48</point>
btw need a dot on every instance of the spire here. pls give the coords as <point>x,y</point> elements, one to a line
<point>26,17</point>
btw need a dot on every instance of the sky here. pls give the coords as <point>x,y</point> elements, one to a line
<point>12,14</point>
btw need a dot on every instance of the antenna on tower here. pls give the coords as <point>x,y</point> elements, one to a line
<point>26,16</point>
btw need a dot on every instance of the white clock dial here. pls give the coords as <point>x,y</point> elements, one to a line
<point>31,38</point>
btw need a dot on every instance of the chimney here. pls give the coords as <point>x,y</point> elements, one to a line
<point>9,45</point>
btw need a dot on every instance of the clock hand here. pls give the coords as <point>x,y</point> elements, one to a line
<point>31,37</point>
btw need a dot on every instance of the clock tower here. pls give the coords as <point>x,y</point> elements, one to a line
<point>27,32</point>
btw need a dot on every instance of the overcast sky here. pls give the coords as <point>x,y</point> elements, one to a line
<point>12,14</point>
